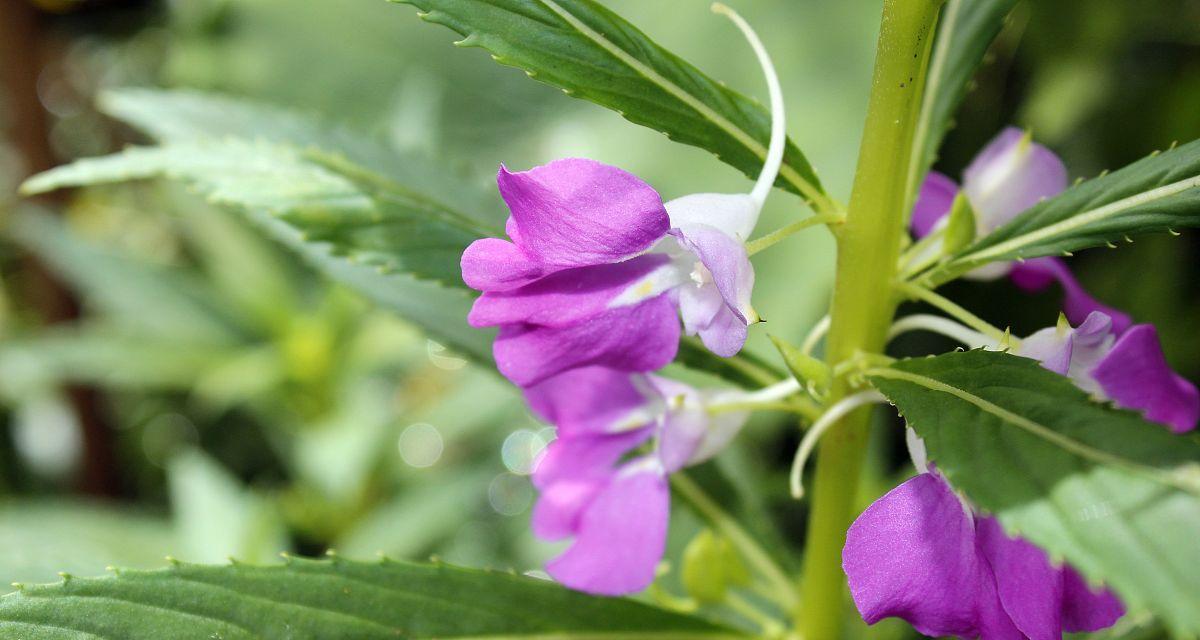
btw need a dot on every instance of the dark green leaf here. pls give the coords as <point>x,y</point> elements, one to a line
<point>966,28</point>
<point>591,53</point>
<point>1155,194</point>
<point>330,599</point>
<point>1116,496</point>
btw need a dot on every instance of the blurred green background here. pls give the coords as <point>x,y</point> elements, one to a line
<point>172,383</point>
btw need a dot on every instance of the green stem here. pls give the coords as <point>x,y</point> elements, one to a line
<point>754,246</point>
<point>863,299</point>
<point>957,311</point>
<point>728,526</point>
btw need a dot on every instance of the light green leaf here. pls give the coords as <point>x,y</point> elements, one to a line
<point>1155,194</point>
<point>217,518</point>
<point>594,54</point>
<point>330,200</point>
<point>183,116</point>
<point>1116,496</point>
<point>40,538</point>
<point>966,28</point>
<point>331,599</point>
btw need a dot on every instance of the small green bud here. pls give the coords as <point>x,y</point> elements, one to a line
<point>960,227</point>
<point>710,567</point>
<point>810,372</point>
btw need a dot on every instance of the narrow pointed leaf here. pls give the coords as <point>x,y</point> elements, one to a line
<point>592,53</point>
<point>307,599</point>
<point>1116,496</point>
<point>966,28</point>
<point>1158,193</point>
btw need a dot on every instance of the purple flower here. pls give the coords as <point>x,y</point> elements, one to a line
<point>589,277</point>
<point>597,487</point>
<point>920,554</point>
<point>568,290</point>
<point>1010,175</point>
<point>1128,369</point>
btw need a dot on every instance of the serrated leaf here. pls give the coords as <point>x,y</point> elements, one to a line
<point>1116,496</point>
<point>966,28</point>
<point>307,599</point>
<point>367,223</point>
<point>185,116</point>
<point>960,226</point>
<point>440,310</point>
<point>1155,194</point>
<point>39,538</point>
<point>594,54</point>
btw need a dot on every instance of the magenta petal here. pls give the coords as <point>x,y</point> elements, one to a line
<point>558,508</point>
<point>570,473</point>
<point>641,337</point>
<point>933,203</point>
<point>622,534</point>
<point>1135,375</point>
<point>584,457</point>
<point>587,400</point>
<point>565,297</point>
<point>1030,590</point>
<point>1085,610</point>
<point>492,264</point>
<point>726,260</point>
<point>1009,176</point>
<point>1039,273</point>
<point>912,555</point>
<point>578,212</point>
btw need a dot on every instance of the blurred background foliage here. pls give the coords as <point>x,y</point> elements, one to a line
<point>175,384</point>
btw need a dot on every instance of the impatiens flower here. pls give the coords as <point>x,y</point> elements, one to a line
<point>921,554</point>
<point>1129,369</point>
<point>597,482</point>
<point>597,269</point>
<point>569,289</point>
<point>1010,175</point>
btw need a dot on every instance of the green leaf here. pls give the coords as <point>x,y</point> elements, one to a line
<point>40,538</point>
<point>961,226</point>
<point>216,517</point>
<point>300,180</point>
<point>1155,194</point>
<point>965,31</point>
<point>331,599</point>
<point>1116,496</point>
<point>183,116</point>
<point>590,52</point>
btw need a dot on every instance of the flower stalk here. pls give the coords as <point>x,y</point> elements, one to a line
<point>864,300</point>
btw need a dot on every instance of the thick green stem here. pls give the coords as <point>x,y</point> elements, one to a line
<point>864,300</point>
